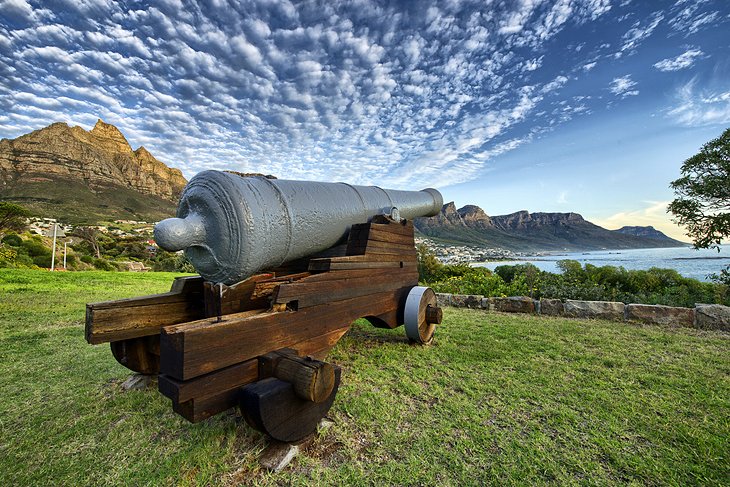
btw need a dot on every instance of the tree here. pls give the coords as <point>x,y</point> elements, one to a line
<point>12,217</point>
<point>91,236</point>
<point>702,202</point>
<point>429,267</point>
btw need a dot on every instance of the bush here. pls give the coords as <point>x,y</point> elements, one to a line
<point>35,248</point>
<point>13,240</point>
<point>104,265</point>
<point>592,283</point>
<point>87,259</point>
<point>43,261</point>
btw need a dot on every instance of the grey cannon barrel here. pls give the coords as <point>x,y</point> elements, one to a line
<point>232,227</point>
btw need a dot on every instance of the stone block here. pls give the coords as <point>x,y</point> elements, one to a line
<point>514,304</point>
<point>488,304</point>
<point>712,317</point>
<point>277,456</point>
<point>551,307</point>
<point>660,315</point>
<point>466,300</point>
<point>605,310</point>
<point>443,299</point>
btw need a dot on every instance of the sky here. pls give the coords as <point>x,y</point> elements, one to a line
<point>588,106</point>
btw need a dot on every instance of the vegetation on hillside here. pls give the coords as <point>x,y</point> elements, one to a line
<point>589,282</point>
<point>89,248</point>
<point>497,400</point>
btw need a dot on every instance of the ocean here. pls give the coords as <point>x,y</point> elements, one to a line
<point>696,264</point>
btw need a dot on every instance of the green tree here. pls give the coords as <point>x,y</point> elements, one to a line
<point>91,236</point>
<point>429,267</point>
<point>702,202</point>
<point>12,217</point>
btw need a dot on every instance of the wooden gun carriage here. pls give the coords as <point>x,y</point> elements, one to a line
<point>259,343</point>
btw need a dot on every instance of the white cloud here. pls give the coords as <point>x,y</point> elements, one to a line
<point>622,86</point>
<point>684,60</point>
<point>653,214</point>
<point>694,107</point>
<point>638,33</point>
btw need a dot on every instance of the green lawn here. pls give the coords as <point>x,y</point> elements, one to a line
<point>498,399</point>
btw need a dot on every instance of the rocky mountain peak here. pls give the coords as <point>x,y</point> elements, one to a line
<point>110,138</point>
<point>474,215</point>
<point>101,157</point>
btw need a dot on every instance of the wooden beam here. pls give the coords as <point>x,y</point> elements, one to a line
<point>201,347</point>
<point>137,317</point>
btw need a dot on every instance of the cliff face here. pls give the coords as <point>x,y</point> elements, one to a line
<point>524,231</point>
<point>99,158</point>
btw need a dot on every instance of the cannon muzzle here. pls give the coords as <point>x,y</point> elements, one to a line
<point>232,227</point>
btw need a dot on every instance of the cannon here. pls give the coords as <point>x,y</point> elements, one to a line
<point>285,267</point>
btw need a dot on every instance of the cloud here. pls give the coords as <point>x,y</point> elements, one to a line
<point>639,32</point>
<point>367,92</point>
<point>654,214</point>
<point>17,9</point>
<point>695,107</point>
<point>684,60</point>
<point>622,86</point>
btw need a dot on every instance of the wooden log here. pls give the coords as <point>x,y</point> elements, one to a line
<point>312,379</point>
<point>434,315</point>
<point>273,407</point>
<point>136,317</point>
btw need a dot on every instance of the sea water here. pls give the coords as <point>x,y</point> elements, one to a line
<point>697,264</point>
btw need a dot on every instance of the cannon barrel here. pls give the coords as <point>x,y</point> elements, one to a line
<point>232,226</point>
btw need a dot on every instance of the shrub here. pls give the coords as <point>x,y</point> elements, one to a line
<point>13,240</point>
<point>104,265</point>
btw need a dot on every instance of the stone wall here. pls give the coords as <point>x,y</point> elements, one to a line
<point>703,316</point>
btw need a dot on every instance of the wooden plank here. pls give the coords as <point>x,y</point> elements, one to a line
<point>212,384</point>
<point>265,288</point>
<point>309,294</point>
<point>354,273</point>
<point>199,409</point>
<point>236,298</point>
<point>342,266</point>
<point>197,348</point>
<point>394,227</point>
<point>137,317</point>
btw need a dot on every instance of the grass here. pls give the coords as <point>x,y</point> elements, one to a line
<point>498,399</point>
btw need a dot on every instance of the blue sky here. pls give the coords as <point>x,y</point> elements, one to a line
<point>571,105</point>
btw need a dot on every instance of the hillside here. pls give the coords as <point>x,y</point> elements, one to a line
<point>79,176</point>
<point>524,231</point>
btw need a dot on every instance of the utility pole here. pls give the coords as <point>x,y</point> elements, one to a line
<point>64,255</point>
<point>53,254</point>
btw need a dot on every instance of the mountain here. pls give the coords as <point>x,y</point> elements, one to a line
<point>524,231</point>
<point>86,176</point>
<point>648,232</point>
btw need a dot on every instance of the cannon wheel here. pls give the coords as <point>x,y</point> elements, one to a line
<point>273,407</point>
<point>141,354</point>
<point>421,315</point>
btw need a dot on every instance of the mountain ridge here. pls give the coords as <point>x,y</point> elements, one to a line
<point>60,170</point>
<point>539,231</point>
